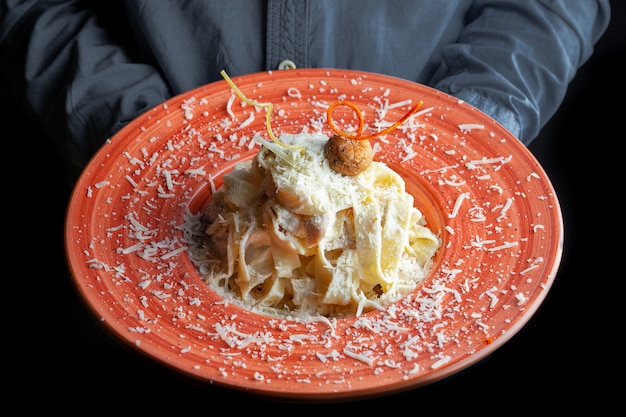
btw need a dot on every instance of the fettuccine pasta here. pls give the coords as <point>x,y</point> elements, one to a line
<point>287,236</point>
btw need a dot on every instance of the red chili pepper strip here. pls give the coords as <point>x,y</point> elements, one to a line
<point>359,134</point>
<point>335,129</point>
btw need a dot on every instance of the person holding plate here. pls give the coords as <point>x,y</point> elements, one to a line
<point>83,70</point>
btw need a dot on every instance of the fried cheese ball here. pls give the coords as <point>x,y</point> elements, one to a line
<point>348,156</point>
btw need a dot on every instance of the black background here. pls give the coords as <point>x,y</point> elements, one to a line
<point>58,358</point>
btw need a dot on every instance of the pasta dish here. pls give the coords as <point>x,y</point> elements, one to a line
<point>286,235</point>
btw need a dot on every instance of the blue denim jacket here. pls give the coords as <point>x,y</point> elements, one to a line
<point>84,69</point>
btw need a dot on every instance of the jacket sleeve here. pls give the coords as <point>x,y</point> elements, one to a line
<point>515,59</point>
<point>64,65</point>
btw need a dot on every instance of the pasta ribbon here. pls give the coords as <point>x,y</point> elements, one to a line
<point>382,226</point>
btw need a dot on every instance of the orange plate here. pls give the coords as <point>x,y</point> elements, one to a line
<point>478,186</point>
